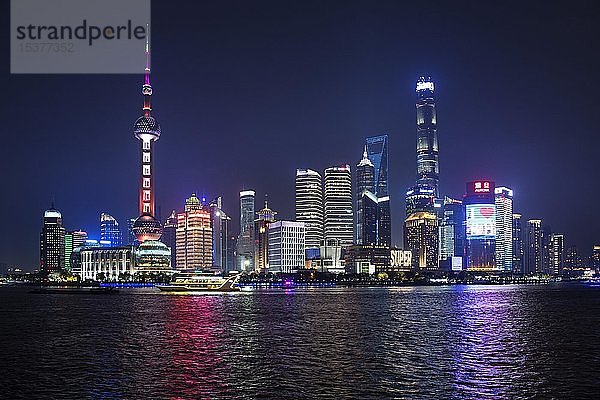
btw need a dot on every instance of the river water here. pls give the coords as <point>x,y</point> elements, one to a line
<point>455,342</point>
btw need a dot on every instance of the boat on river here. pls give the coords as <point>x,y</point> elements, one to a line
<point>201,282</point>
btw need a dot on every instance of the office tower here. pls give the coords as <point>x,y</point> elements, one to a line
<point>68,250</point>
<point>231,254</point>
<point>377,153</point>
<point>220,229</point>
<point>147,130</point>
<point>421,238</point>
<point>79,238</point>
<point>504,231</point>
<point>573,259</point>
<point>452,233</point>
<point>130,238</point>
<point>546,250</point>
<point>596,258</point>
<point>480,217</point>
<point>309,205</point>
<point>366,202</point>
<point>245,244</point>
<point>169,236</point>
<point>107,263</point>
<point>266,217</point>
<point>52,242</point>
<point>286,246</point>
<point>420,199</point>
<point>339,220</point>
<point>518,248</point>
<point>109,229</point>
<point>427,140</point>
<point>533,247</point>
<point>557,254</point>
<point>193,237</point>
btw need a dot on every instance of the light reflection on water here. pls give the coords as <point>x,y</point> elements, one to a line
<point>459,342</point>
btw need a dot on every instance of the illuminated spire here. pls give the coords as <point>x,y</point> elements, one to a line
<point>147,88</point>
<point>365,160</point>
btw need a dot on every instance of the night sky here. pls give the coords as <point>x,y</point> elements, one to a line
<point>246,92</point>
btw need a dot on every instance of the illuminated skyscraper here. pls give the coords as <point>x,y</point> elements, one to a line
<point>377,153</point>
<point>147,130</point>
<point>245,244</point>
<point>169,236</point>
<point>504,222</point>
<point>109,230</point>
<point>52,242</point>
<point>194,237</point>
<point>427,140</point>
<point>480,213</point>
<point>220,228</point>
<point>518,248</point>
<point>533,248</point>
<point>557,254</point>
<point>339,220</point>
<point>452,232</point>
<point>366,202</point>
<point>286,246</point>
<point>309,205</point>
<point>421,238</point>
<point>266,217</point>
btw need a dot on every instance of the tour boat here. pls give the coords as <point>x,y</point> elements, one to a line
<point>200,282</point>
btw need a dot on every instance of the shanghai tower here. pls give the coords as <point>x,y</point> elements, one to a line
<point>428,169</point>
<point>147,130</point>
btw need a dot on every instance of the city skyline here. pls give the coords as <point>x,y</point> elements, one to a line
<point>80,208</point>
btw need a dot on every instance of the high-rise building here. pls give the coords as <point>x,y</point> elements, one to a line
<point>427,141</point>
<point>557,254</point>
<point>220,229</point>
<point>504,230</point>
<point>73,240</point>
<point>546,250</point>
<point>68,250</point>
<point>109,230</point>
<point>52,242</point>
<point>309,205</point>
<point>518,247</point>
<point>480,219</point>
<point>452,232</point>
<point>596,258</point>
<point>245,243</point>
<point>339,220</point>
<point>286,246</point>
<point>194,237</point>
<point>366,202</point>
<point>533,247</point>
<point>169,236</point>
<point>147,130</point>
<point>573,259</point>
<point>420,199</point>
<point>421,238</point>
<point>231,264</point>
<point>266,217</point>
<point>377,153</point>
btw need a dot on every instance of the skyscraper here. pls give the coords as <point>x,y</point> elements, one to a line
<point>533,248</point>
<point>169,236</point>
<point>147,130</point>
<point>366,202</point>
<point>480,212</point>
<point>377,153</point>
<point>504,231</point>
<point>518,248</point>
<point>309,205</point>
<point>220,229</point>
<point>245,252</point>
<point>421,238</point>
<point>427,140</point>
<point>194,237</point>
<point>109,230</point>
<point>452,232</point>
<point>286,246</point>
<point>339,220</point>
<point>558,253</point>
<point>52,242</point>
<point>266,217</point>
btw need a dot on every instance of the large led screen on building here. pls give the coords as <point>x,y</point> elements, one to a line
<point>481,221</point>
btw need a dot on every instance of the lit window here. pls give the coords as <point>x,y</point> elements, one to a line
<point>146,207</point>
<point>146,170</point>
<point>146,195</point>
<point>146,183</point>
<point>146,157</point>
<point>146,145</point>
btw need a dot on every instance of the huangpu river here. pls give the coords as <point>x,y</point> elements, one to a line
<point>451,342</point>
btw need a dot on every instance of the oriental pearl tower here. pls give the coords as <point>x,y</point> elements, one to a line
<point>147,130</point>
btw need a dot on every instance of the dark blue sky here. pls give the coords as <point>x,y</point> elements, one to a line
<point>248,91</point>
